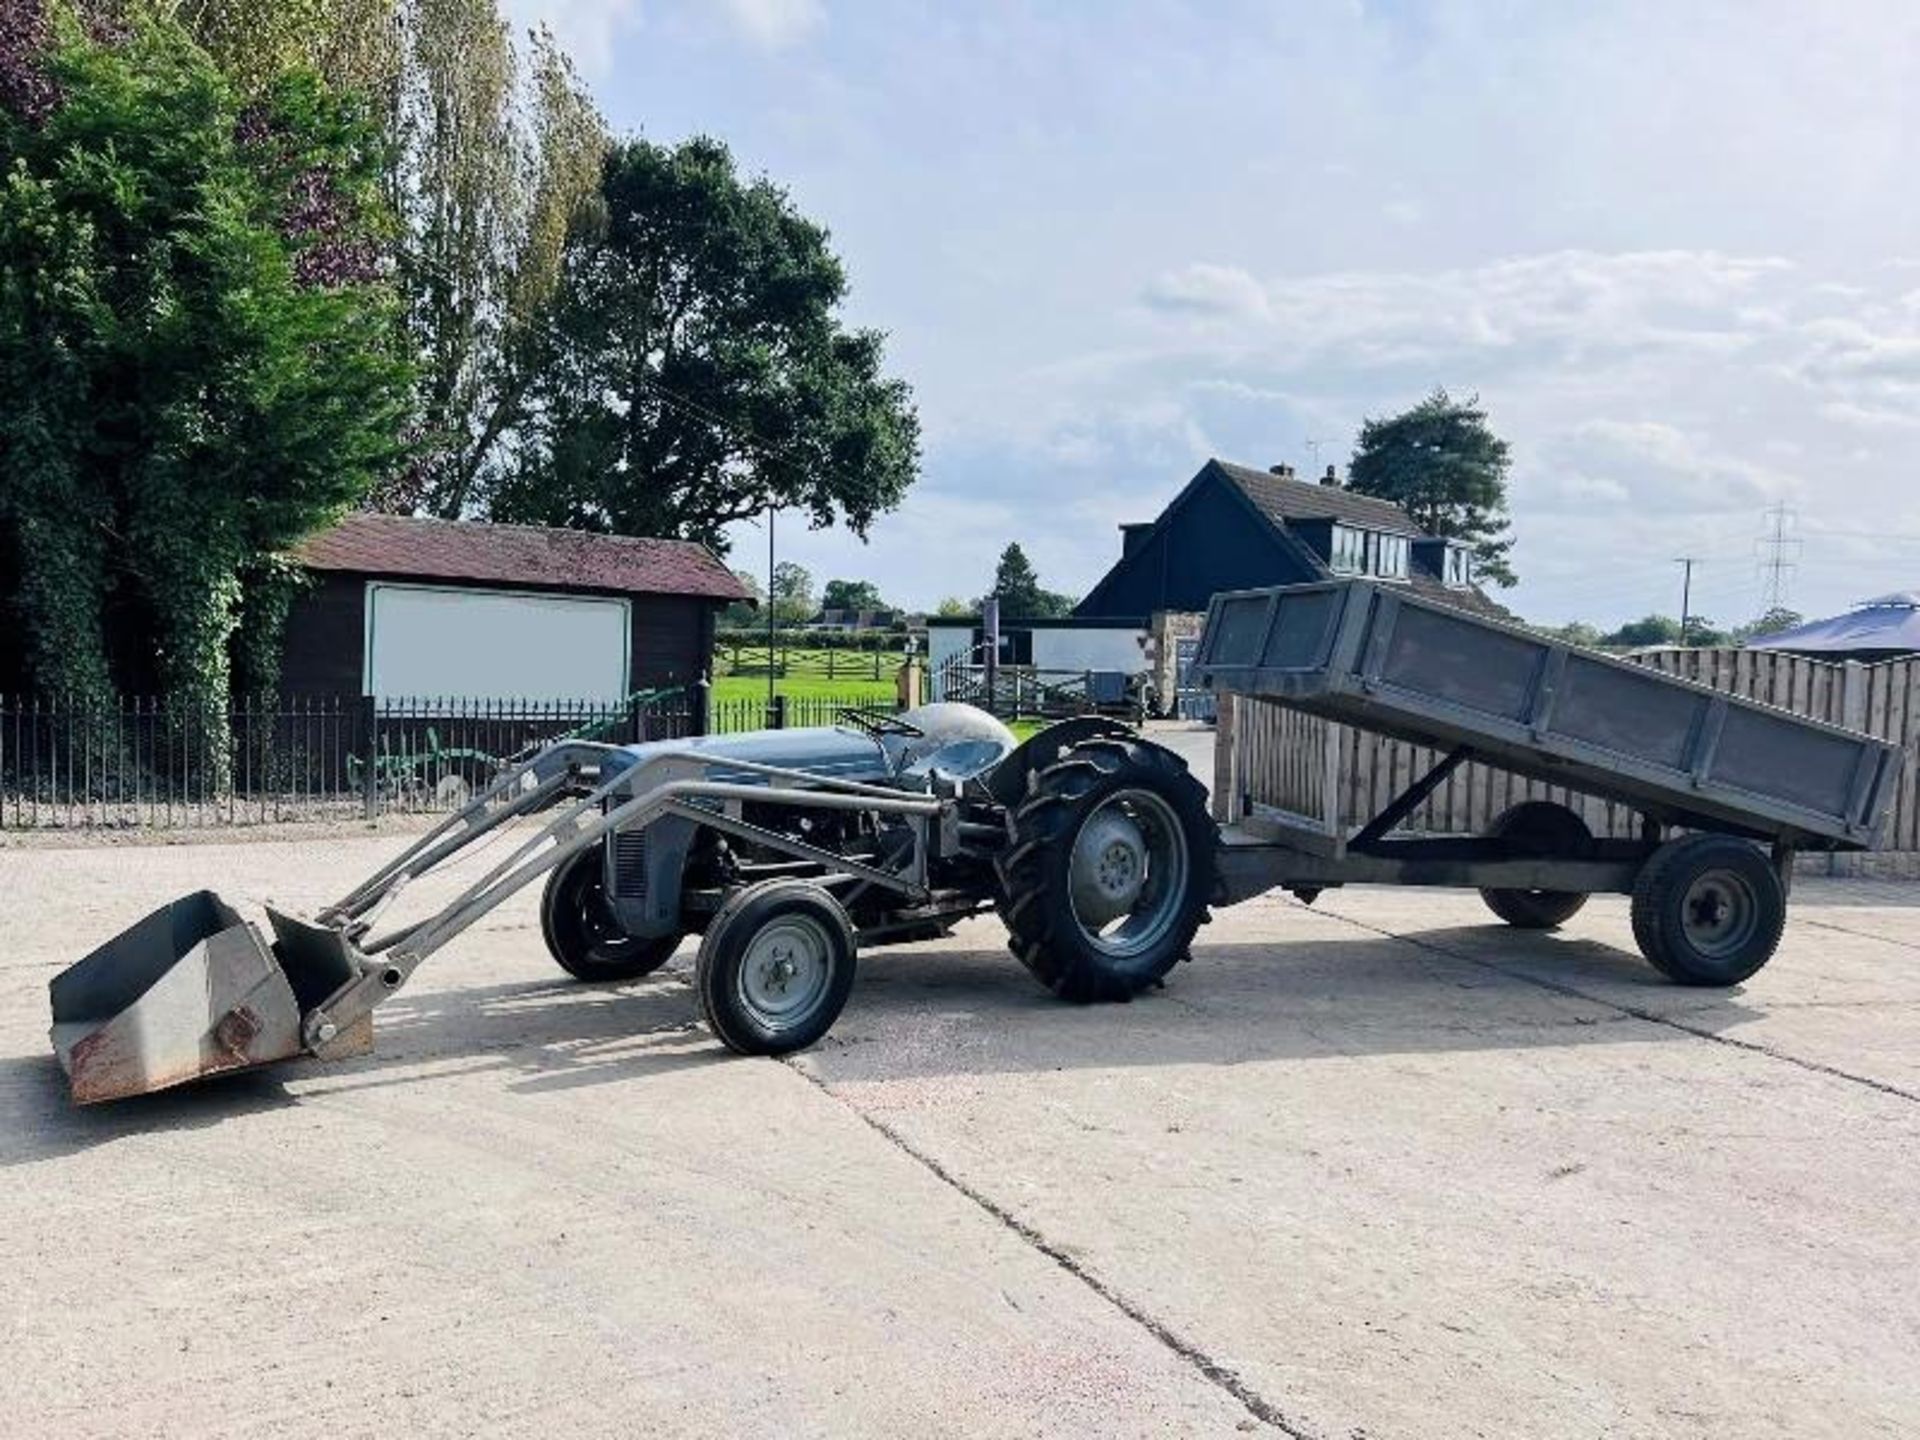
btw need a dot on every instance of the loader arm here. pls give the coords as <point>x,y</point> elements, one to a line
<point>385,963</point>
<point>193,990</point>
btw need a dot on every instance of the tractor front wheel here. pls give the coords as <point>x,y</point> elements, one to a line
<point>582,932</point>
<point>776,967</point>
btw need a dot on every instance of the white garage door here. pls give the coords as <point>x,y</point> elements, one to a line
<point>425,643</point>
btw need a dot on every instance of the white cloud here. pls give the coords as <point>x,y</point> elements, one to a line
<point>1576,302</point>
<point>1656,401</point>
<point>1209,292</point>
<point>1655,466</point>
<point>1870,417</point>
<point>775,24</point>
<point>1091,281</point>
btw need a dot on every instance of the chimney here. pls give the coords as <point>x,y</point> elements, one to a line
<point>1133,535</point>
<point>1330,478</point>
<point>1284,471</point>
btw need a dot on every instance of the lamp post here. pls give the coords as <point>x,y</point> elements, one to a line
<point>770,612</point>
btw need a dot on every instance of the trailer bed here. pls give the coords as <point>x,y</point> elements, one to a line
<point>1379,657</point>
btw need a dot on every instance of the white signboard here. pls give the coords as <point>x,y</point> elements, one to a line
<point>429,643</point>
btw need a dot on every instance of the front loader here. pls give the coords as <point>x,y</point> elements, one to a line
<point>786,851</point>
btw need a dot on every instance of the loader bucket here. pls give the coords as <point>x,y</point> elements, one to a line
<point>191,990</point>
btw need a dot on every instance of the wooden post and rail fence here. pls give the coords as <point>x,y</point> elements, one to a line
<point>1271,756</point>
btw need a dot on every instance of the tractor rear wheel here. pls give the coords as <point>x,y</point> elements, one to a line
<point>1110,869</point>
<point>1542,829</point>
<point>582,932</point>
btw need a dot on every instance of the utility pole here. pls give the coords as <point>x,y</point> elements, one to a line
<point>1686,562</point>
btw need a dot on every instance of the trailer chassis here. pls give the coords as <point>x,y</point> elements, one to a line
<point>1276,850</point>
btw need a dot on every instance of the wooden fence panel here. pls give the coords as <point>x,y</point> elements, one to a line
<point>1280,758</point>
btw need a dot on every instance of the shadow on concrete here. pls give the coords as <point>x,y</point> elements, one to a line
<point>39,1121</point>
<point>552,1035</point>
<point>952,1012</point>
<point>920,1011</point>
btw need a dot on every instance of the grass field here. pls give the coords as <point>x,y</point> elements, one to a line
<point>735,688</point>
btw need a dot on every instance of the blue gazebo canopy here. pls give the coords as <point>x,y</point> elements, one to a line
<point>1890,624</point>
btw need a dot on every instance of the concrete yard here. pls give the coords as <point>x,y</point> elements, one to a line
<point>1379,1168</point>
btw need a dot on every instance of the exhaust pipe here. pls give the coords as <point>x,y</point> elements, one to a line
<point>191,990</point>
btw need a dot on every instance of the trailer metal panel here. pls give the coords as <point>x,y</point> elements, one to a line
<point>1377,657</point>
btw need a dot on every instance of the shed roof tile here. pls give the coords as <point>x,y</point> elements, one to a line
<point>519,555</point>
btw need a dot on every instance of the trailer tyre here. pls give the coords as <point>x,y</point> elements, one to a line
<point>1538,828</point>
<point>776,967</point>
<point>581,932</point>
<point>1109,871</point>
<point>1708,910</point>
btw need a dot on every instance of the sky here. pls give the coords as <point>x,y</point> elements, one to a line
<point>1674,248</point>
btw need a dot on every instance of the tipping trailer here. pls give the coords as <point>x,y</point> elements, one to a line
<point>1745,785</point>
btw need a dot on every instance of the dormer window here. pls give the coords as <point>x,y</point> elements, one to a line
<point>1368,552</point>
<point>1387,556</point>
<point>1348,555</point>
<point>1459,567</point>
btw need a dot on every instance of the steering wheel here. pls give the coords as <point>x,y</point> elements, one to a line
<point>878,722</point>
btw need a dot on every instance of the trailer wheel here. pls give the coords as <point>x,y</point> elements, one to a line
<point>1708,910</point>
<point>581,932</point>
<point>1543,828</point>
<point>1109,871</point>
<point>776,967</point>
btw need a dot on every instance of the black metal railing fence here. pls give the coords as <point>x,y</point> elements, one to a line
<point>135,762</point>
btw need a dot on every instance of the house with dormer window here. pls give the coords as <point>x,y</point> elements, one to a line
<point>1233,527</point>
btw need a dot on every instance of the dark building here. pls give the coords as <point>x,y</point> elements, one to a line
<point>1234,528</point>
<point>406,608</point>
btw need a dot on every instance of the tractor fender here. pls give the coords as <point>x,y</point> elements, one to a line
<point>1008,782</point>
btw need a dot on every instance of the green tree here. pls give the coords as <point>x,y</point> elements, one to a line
<point>197,349</point>
<point>1772,623</point>
<point>488,201</point>
<point>1649,630</point>
<point>1702,632</point>
<point>952,607</point>
<point>852,595</point>
<point>494,160</point>
<point>697,368</point>
<point>742,612</point>
<point>354,45</point>
<point>1022,597</point>
<point>1577,632</point>
<point>792,593</point>
<point>1441,462</point>
<point>1017,583</point>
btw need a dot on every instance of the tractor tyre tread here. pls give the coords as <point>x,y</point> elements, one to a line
<point>1043,933</point>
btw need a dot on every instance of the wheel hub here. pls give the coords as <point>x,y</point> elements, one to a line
<point>1109,868</point>
<point>785,970</point>
<point>1719,913</point>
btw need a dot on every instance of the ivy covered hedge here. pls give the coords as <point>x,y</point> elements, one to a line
<point>200,352</point>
